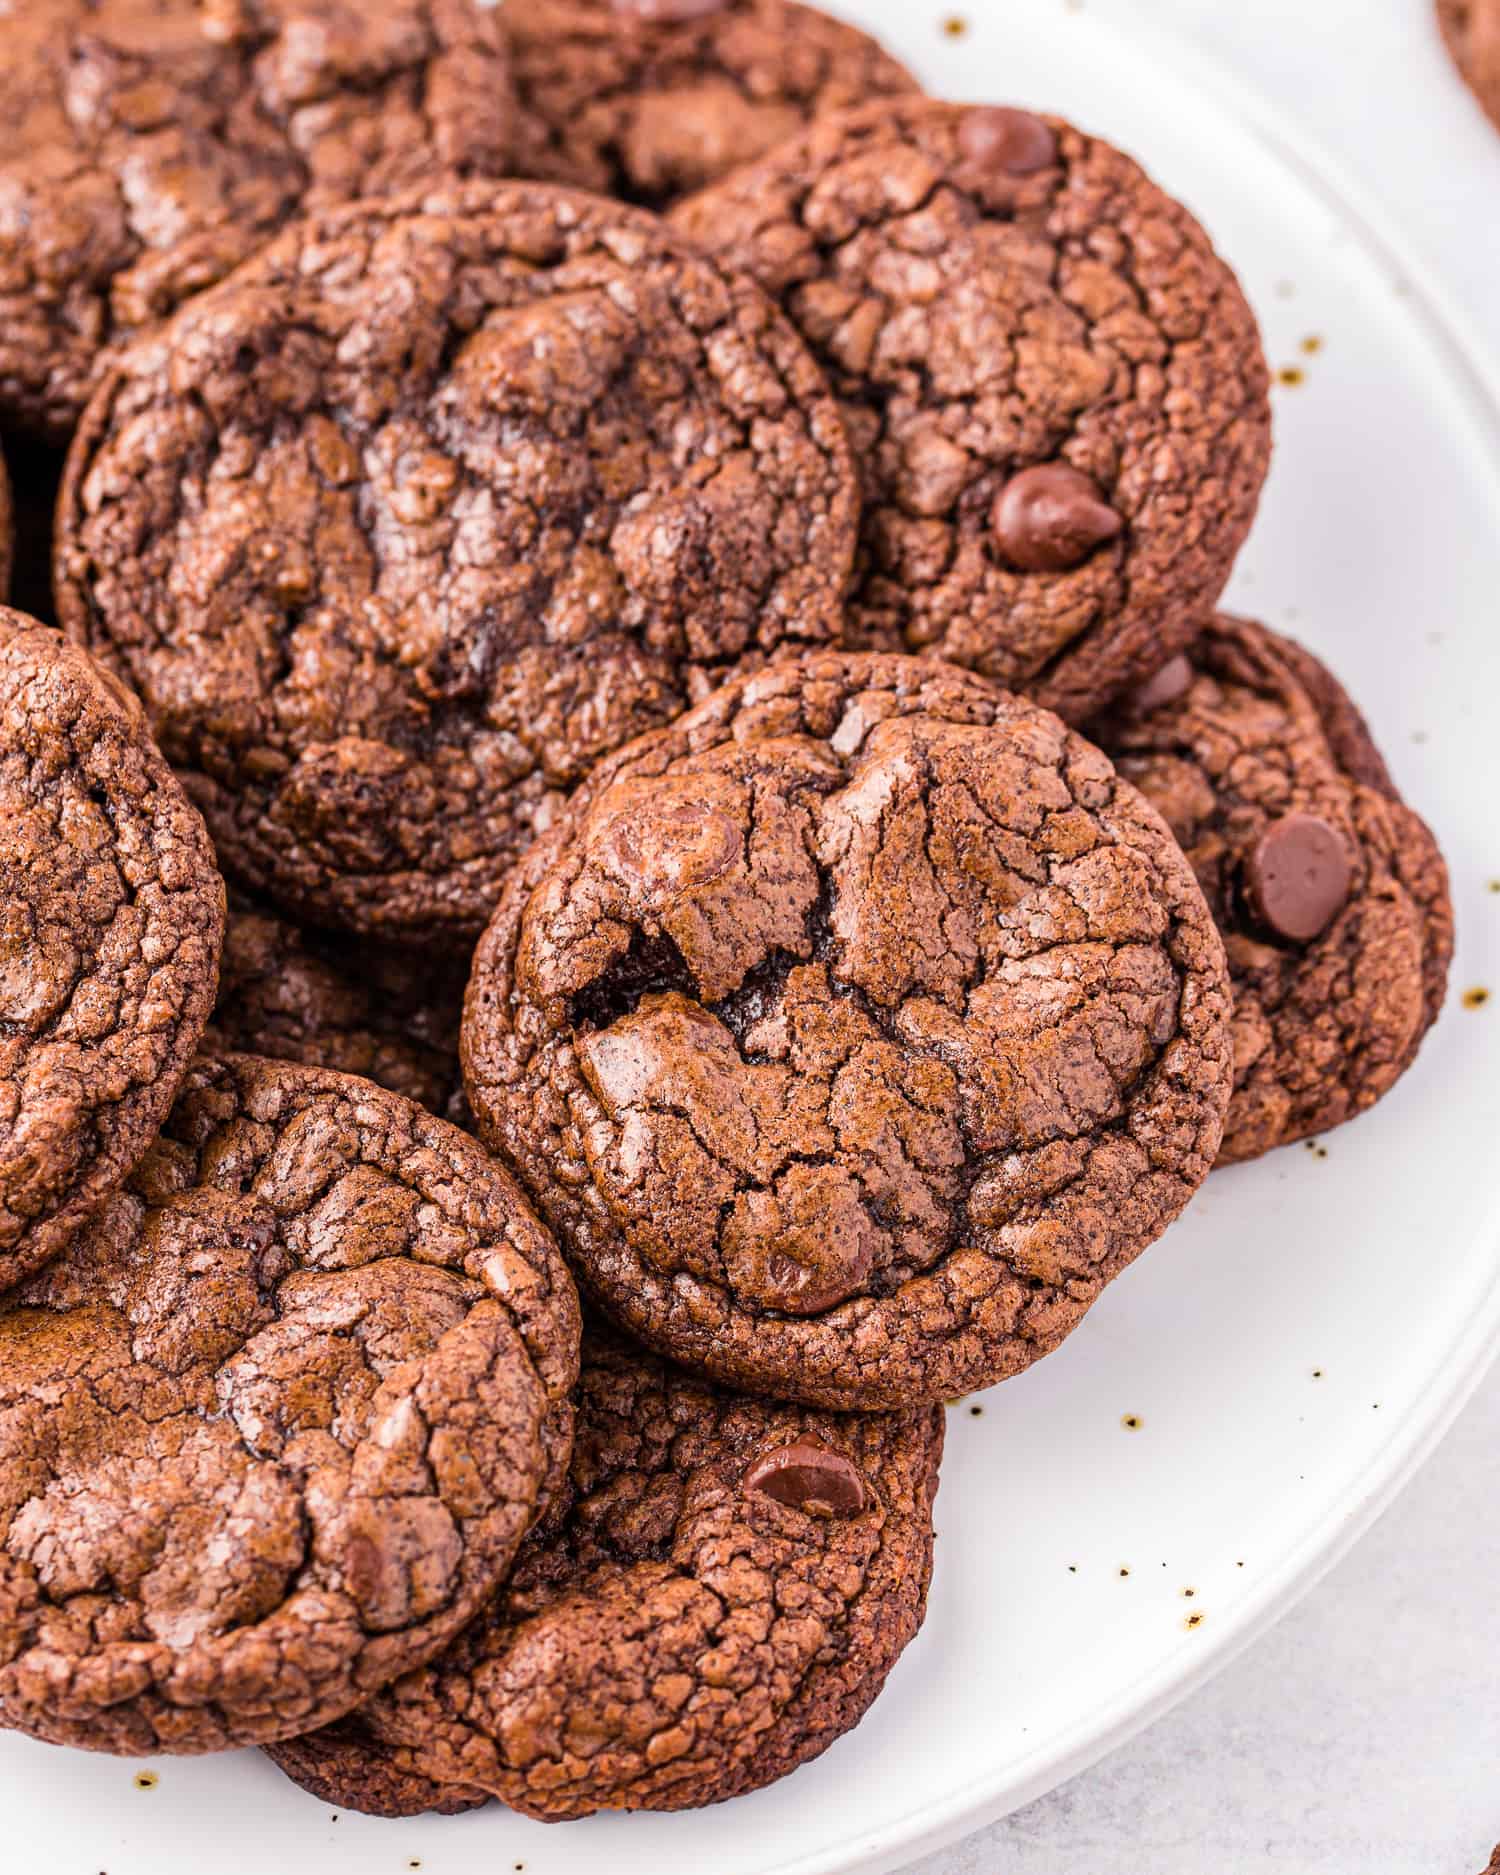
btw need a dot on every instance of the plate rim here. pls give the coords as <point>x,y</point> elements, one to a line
<point>941,1822</point>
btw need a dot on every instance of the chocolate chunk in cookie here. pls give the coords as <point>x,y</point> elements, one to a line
<point>854,1031</point>
<point>111,919</point>
<point>1331,894</point>
<point>650,99</point>
<point>431,505</point>
<point>151,145</point>
<point>339,1002</point>
<point>1052,381</point>
<point>276,1420</point>
<point>1471,30</point>
<point>726,1590</point>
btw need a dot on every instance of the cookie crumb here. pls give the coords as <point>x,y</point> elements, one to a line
<point>1123,1570</point>
<point>1495,885</point>
<point>146,1780</point>
<point>1476,998</point>
<point>955,26</point>
<point>1291,375</point>
<point>1072,1568</point>
<point>1132,1422</point>
<point>1188,1594</point>
<point>1317,1148</point>
<point>1239,1565</point>
<point>1312,344</point>
<point>976,1412</point>
<point>1194,1620</point>
<point>1317,1373</point>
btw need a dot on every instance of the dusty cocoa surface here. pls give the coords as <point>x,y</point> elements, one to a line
<point>1326,1020</point>
<point>686,1631</point>
<point>151,145</point>
<point>276,1421</point>
<point>649,101</point>
<point>429,507</point>
<point>854,1032</point>
<point>1053,383</point>
<point>1471,30</point>
<point>110,925</point>
<point>340,1002</point>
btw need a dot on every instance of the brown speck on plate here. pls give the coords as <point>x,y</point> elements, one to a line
<point>1317,1373</point>
<point>955,26</point>
<point>1312,344</point>
<point>1495,885</point>
<point>146,1780</point>
<point>1476,998</point>
<point>1291,375</point>
<point>1188,1594</point>
<point>1131,1422</point>
<point>1123,1570</point>
<point>976,1412</point>
<point>1194,1620</point>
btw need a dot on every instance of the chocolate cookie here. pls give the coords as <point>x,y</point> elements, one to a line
<point>853,1032</point>
<point>724,1596</point>
<point>1331,894</point>
<point>153,144</point>
<point>1471,29</point>
<point>110,925</point>
<point>430,506</point>
<point>276,1421</point>
<point>648,99</point>
<point>1054,384</point>
<point>334,1002</point>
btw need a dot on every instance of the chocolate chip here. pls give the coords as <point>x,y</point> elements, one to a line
<point>668,12</point>
<point>1298,876</point>
<point>809,1476</point>
<point>1007,142</point>
<point>1172,681</point>
<point>1052,517</point>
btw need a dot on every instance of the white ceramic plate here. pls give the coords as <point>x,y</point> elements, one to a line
<point>1294,1347</point>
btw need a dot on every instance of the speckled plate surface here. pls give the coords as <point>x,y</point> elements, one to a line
<point>1117,1523</point>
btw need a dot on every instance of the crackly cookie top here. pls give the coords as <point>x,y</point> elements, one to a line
<point>1331,894</point>
<point>111,918</point>
<point>1471,29</point>
<point>649,99</point>
<point>152,144</point>
<point>721,1596</point>
<point>339,1002</point>
<point>854,1032</point>
<point>1053,383</point>
<point>276,1421</point>
<point>428,507</point>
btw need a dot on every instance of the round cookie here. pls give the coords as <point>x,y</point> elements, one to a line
<point>650,99</point>
<point>853,1032</point>
<point>724,1595</point>
<point>1331,894</point>
<point>333,1002</point>
<point>1053,383</point>
<point>276,1420</point>
<point>110,926</point>
<point>153,144</point>
<point>1471,30</point>
<point>428,507</point>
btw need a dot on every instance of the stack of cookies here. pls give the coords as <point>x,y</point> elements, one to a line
<point>674,578</point>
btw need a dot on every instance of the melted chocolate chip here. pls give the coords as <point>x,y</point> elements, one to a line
<point>1007,142</point>
<point>1052,517</point>
<point>809,1476</point>
<point>1172,682</point>
<point>1297,878</point>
